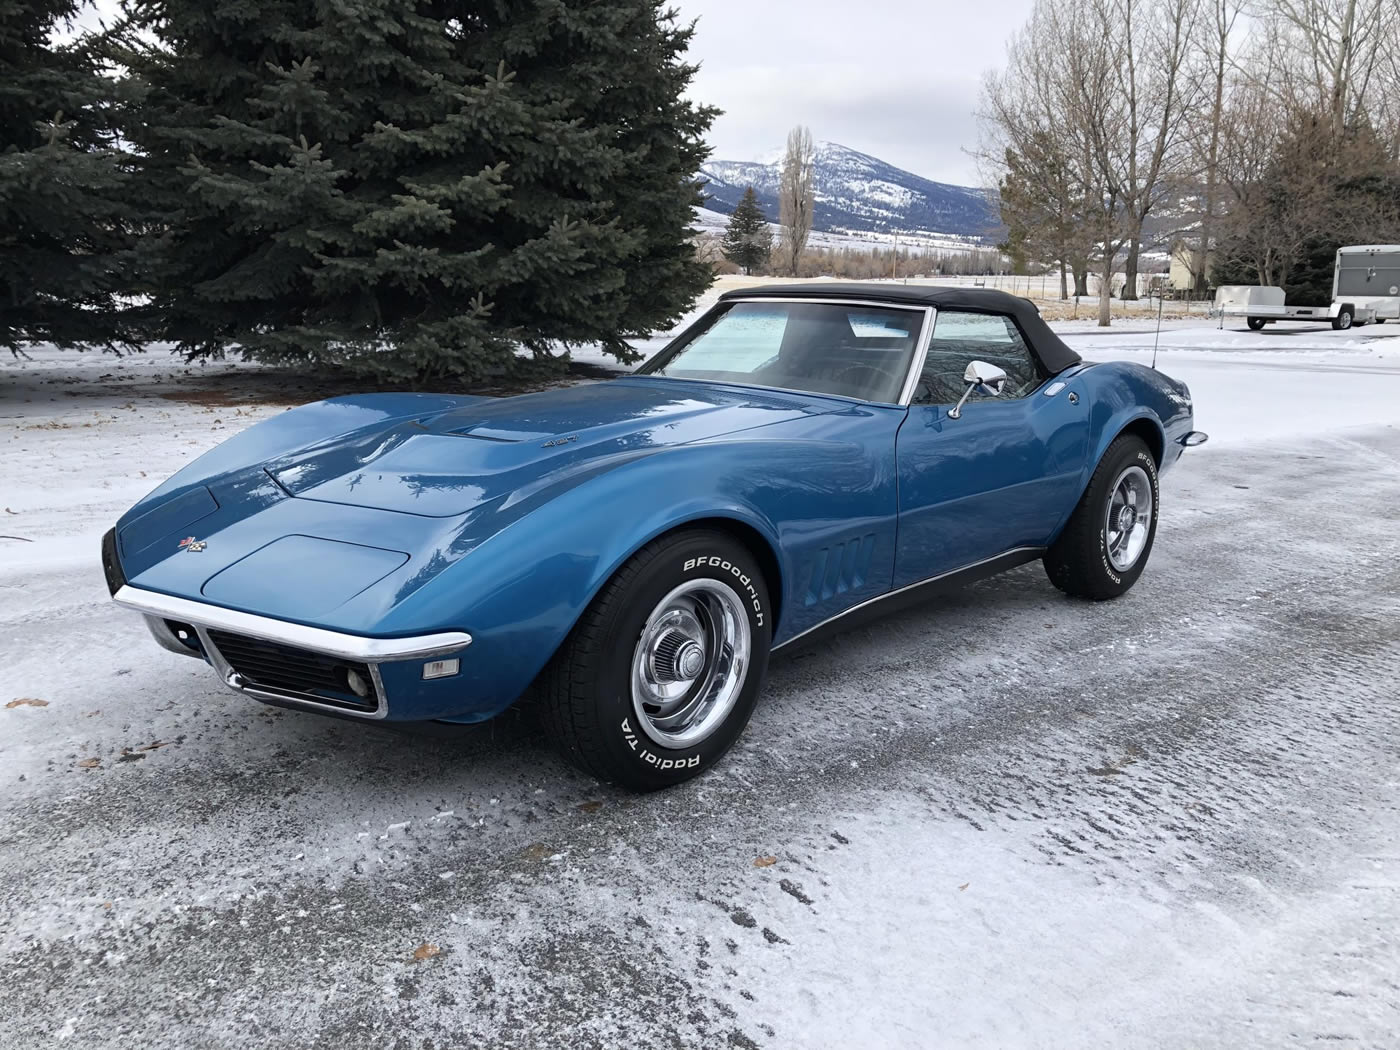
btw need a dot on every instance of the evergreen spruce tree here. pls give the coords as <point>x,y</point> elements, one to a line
<point>63,234</point>
<point>748,240</point>
<point>417,188</point>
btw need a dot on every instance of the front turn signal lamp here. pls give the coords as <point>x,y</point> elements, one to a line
<point>441,668</point>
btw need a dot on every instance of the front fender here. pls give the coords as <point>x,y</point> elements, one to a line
<point>522,589</point>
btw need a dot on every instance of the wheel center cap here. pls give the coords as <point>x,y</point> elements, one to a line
<point>676,658</point>
<point>1126,519</point>
<point>690,660</point>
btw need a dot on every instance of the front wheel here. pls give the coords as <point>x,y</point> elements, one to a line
<point>1104,546</point>
<point>661,673</point>
<point>1256,324</point>
<point>1343,319</point>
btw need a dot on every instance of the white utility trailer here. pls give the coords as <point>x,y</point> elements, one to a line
<point>1368,277</point>
<point>1365,289</point>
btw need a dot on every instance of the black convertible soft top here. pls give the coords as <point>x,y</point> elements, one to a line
<point>1054,356</point>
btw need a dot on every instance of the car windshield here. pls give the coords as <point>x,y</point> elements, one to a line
<point>827,348</point>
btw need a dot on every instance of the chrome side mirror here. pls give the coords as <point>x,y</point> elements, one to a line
<point>984,379</point>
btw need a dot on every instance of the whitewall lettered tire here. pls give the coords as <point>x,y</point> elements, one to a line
<point>661,673</point>
<point>1105,544</point>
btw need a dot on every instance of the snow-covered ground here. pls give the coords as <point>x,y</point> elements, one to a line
<point>1279,384</point>
<point>1007,820</point>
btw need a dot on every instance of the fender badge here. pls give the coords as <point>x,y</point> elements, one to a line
<point>189,543</point>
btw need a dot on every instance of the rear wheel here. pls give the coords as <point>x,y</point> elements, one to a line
<point>1256,324</point>
<point>662,672</point>
<point>1104,546</point>
<point>1343,319</point>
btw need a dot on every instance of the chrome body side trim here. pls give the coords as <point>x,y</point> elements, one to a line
<point>1029,552</point>
<point>916,366</point>
<point>331,643</point>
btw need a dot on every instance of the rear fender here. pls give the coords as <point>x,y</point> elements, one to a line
<point>1124,396</point>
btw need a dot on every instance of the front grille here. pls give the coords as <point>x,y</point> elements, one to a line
<point>111,566</point>
<point>287,670</point>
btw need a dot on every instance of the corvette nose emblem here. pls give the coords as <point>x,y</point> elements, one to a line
<point>189,543</point>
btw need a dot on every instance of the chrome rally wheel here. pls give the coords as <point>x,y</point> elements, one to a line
<point>690,663</point>
<point>1128,518</point>
<point>662,671</point>
<point>1105,544</point>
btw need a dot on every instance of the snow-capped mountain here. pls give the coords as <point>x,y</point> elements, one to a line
<point>855,191</point>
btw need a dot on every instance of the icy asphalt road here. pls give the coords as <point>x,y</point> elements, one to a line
<point>1010,819</point>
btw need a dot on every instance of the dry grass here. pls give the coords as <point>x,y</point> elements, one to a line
<point>1088,309</point>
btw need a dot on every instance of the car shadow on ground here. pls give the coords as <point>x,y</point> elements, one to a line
<point>514,748</point>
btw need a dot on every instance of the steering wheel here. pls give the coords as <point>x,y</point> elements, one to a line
<point>874,370</point>
<point>938,388</point>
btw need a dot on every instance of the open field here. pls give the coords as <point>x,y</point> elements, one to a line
<point>1005,820</point>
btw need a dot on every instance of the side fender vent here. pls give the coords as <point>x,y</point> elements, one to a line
<point>837,569</point>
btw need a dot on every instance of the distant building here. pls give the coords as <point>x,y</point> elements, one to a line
<point>1188,269</point>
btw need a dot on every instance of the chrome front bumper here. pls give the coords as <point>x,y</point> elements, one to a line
<point>159,608</point>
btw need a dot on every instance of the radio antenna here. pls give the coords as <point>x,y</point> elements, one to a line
<point>1157,338</point>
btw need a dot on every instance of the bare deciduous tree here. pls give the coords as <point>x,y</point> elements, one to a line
<point>1387,115</point>
<point>795,195</point>
<point>1096,121</point>
<point>1038,171</point>
<point>1106,109</point>
<point>1331,52</point>
<point>1216,33</point>
<point>1252,114</point>
<point>1155,41</point>
<point>1106,82</point>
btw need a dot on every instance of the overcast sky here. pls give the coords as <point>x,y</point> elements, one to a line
<point>897,79</point>
<point>894,78</point>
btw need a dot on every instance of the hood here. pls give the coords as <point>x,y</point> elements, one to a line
<point>450,463</point>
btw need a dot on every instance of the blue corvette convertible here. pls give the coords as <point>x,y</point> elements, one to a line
<point>630,552</point>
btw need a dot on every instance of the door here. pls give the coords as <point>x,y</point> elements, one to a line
<point>1002,475</point>
<point>1369,279</point>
